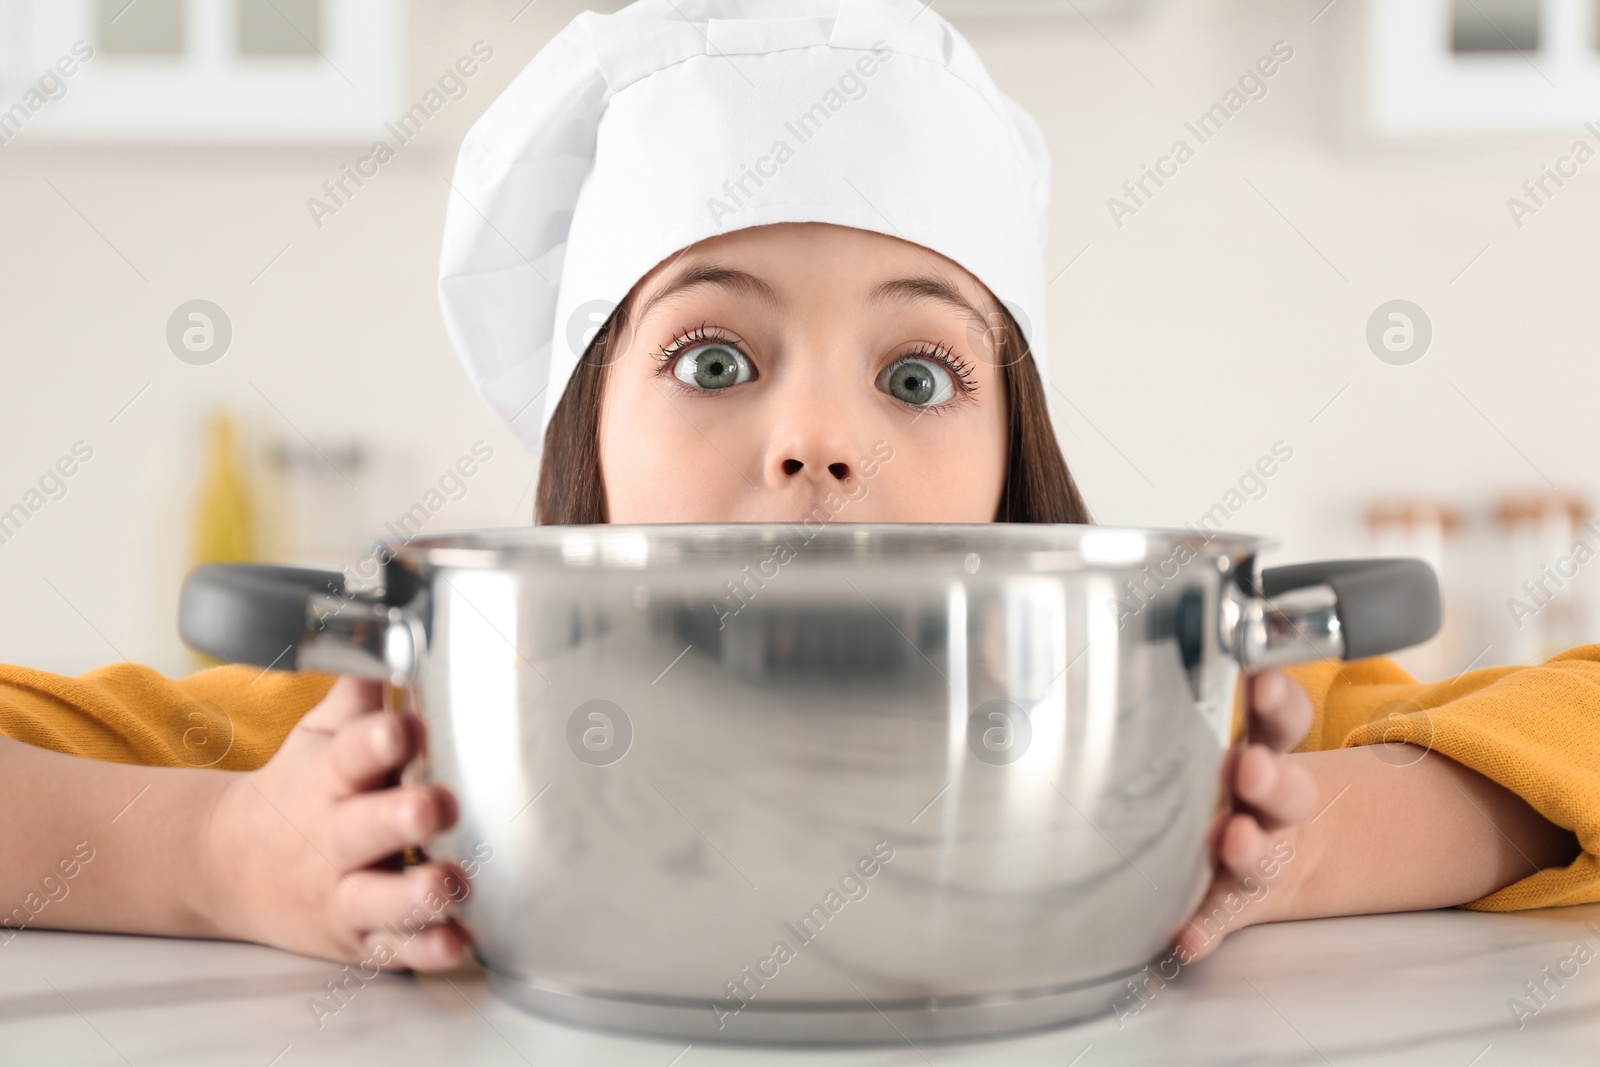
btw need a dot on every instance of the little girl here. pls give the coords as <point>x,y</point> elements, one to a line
<point>811,235</point>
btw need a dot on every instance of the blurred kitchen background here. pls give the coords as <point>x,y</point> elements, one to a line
<point>1369,270</point>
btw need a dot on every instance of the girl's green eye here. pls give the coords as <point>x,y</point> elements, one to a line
<point>919,382</point>
<point>713,366</point>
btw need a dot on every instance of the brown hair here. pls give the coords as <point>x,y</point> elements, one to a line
<point>1038,486</point>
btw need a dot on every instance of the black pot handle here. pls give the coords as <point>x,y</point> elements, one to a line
<point>1382,605</point>
<point>292,618</point>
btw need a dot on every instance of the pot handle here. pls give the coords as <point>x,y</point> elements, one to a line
<point>294,618</point>
<point>1346,609</point>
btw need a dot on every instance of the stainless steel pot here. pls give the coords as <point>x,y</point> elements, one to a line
<point>852,783</point>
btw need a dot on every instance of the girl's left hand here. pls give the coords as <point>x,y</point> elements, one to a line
<point>1252,841</point>
<point>300,850</point>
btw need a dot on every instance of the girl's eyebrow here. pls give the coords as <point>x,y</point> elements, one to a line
<point>924,288</point>
<point>917,288</point>
<point>730,278</point>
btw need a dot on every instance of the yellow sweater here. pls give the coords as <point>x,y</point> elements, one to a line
<point>1535,730</point>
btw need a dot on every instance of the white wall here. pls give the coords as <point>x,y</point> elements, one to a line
<point>1188,340</point>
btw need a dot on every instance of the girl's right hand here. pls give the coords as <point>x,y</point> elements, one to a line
<point>300,853</point>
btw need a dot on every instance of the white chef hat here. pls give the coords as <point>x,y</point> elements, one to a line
<point>633,135</point>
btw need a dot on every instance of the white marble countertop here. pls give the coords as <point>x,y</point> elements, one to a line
<point>1425,988</point>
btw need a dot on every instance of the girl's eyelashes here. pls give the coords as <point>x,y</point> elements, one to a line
<point>931,378</point>
<point>705,361</point>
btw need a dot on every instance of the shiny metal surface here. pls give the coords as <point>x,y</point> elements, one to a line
<point>1298,625</point>
<point>854,783</point>
<point>345,635</point>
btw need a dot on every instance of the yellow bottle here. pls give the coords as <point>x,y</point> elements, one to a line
<point>225,532</point>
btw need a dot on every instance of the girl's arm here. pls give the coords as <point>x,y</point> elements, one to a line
<point>1403,828</point>
<point>103,846</point>
<point>294,854</point>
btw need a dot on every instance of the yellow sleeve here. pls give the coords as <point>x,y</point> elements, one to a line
<point>233,717</point>
<point>1534,730</point>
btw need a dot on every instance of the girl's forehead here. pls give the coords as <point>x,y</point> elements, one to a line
<point>762,262</point>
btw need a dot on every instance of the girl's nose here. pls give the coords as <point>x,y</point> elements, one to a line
<point>813,449</point>
<point>813,425</point>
